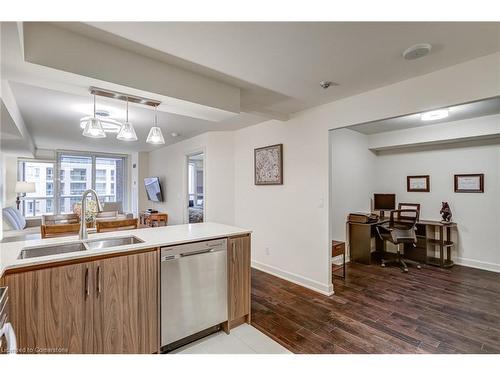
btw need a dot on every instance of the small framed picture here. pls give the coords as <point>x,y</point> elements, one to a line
<point>418,183</point>
<point>268,164</point>
<point>469,183</point>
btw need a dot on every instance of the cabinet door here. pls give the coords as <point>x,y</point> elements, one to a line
<point>126,304</point>
<point>239,278</point>
<point>50,309</point>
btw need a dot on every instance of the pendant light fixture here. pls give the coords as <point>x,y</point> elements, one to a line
<point>127,132</point>
<point>155,136</point>
<point>93,127</point>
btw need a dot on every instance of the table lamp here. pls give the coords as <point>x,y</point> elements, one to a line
<point>23,187</point>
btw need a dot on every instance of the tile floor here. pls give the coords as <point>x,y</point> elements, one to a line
<point>243,339</point>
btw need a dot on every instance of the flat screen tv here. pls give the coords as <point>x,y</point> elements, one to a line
<point>153,189</point>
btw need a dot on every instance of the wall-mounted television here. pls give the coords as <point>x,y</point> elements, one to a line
<point>153,189</point>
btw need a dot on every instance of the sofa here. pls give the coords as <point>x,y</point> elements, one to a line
<point>16,225</point>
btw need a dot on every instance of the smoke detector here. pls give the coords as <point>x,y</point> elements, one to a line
<point>417,51</point>
<point>326,84</point>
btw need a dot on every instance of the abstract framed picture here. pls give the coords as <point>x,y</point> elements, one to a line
<point>268,165</point>
<point>418,183</point>
<point>469,183</point>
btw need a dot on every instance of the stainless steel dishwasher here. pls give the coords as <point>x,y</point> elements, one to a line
<point>193,290</point>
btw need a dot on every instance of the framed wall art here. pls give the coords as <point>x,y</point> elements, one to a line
<point>268,165</point>
<point>418,183</point>
<point>469,183</point>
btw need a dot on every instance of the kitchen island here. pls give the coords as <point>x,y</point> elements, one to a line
<point>106,299</point>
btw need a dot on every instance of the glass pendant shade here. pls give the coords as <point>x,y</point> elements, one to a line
<point>93,129</point>
<point>127,132</point>
<point>155,136</point>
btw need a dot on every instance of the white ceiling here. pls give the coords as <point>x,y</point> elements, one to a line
<point>486,107</point>
<point>291,58</point>
<point>277,67</point>
<point>53,118</point>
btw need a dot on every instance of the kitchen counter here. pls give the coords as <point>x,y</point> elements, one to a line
<point>152,237</point>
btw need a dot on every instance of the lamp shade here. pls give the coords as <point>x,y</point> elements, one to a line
<point>93,129</point>
<point>127,132</point>
<point>155,136</point>
<point>25,187</point>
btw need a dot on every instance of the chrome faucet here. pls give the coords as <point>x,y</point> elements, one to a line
<point>83,224</point>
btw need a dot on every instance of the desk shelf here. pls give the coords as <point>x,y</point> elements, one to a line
<point>433,241</point>
<point>437,262</point>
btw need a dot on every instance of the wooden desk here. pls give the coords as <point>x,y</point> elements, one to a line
<point>148,218</point>
<point>360,235</point>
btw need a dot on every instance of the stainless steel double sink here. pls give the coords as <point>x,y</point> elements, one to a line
<point>72,247</point>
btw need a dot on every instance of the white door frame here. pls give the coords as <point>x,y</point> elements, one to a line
<point>197,151</point>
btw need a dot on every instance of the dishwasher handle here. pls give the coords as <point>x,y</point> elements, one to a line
<point>168,257</point>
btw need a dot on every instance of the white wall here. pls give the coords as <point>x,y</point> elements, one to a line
<point>170,164</point>
<point>360,173</point>
<point>293,220</point>
<point>290,223</point>
<point>352,178</point>
<point>476,214</point>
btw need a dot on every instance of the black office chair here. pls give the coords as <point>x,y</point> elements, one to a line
<point>400,230</point>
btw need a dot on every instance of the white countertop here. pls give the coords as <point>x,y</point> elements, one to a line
<point>152,237</point>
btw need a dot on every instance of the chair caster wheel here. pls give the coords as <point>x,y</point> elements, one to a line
<point>405,270</point>
<point>383,264</point>
<point>419,266</point>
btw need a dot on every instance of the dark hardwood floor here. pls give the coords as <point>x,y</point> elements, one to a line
<point>382,310</point>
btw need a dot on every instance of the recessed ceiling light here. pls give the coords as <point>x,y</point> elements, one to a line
<point>174,134</point>
<point>326,84</point>
<point>435,115</point>
<point>417,51</point>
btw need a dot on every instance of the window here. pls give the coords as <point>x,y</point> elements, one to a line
<point>48,205</point>
<point>49,188</point>
<point>77,188</point>
<point>106,174</point>
<point>78,174</point>
<point>100,187</point>
<point>113,168</point>
<point>39,172</point>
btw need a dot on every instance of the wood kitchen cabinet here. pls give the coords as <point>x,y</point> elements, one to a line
<point>126,304</point>
<point>239,280</point>
<point>49,309</point>
<point>109,305</point>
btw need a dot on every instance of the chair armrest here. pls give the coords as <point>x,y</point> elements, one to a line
<point>35,222</point>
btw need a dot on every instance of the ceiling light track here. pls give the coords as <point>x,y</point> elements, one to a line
<point>125,97</point>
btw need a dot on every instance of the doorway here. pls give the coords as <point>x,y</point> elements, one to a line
<point>196,188</point>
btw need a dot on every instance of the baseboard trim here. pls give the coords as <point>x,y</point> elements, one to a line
<point>487,266</point>
<point>326,290</point>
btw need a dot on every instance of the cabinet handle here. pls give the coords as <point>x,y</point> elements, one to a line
<point>98,280</point>
<point>234,246</point>
<point>87,289</point>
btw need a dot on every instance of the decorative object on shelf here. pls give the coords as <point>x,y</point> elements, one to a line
<point>418,184</point>
<point>90,212</point>
<point>93,127</point>
<point>155,135</point>
<point>127,132</point>
<point>268,165</point>
<point>445,212</point>
<point>23,187</point>
<point>469,183</point>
